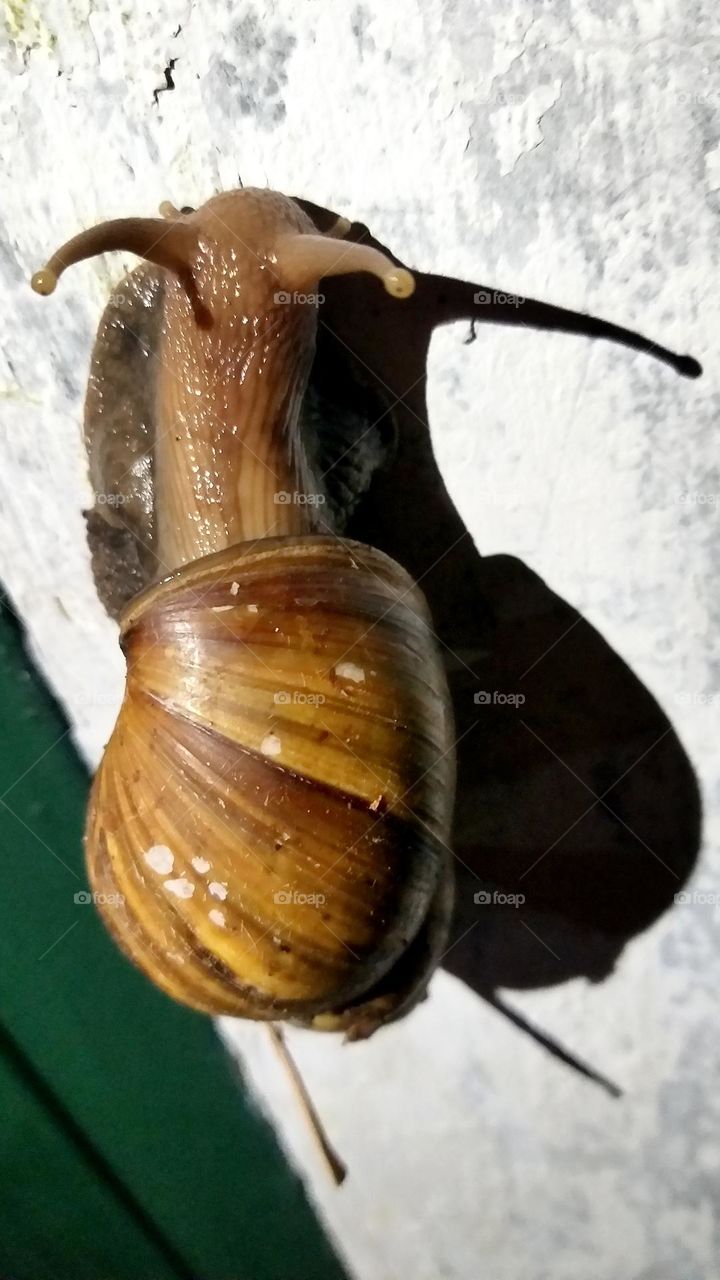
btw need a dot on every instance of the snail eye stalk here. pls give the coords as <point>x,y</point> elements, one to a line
<point>168,242</point>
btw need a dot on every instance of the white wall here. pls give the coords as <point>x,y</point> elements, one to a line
<point>516,144</point>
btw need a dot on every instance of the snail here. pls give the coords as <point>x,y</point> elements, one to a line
<point>225,483</point>
<point>272,811</point>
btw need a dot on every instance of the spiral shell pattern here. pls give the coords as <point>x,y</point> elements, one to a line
<point>268,824</point>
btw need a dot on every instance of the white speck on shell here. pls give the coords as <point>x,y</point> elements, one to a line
<point>161,859</point>
<point>271,745</point>
<point>201,865</point>
<point>234,588</point>
<point>350,671</point>
<point>252,608</point>
<point>217,917</point>
<point>218,890</point>
<point>220,608</point>
<point>182,888</point>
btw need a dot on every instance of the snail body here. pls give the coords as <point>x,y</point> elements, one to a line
<point>272,811</point>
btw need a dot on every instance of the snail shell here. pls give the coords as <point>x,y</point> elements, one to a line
<point>406,984</point>
<point>271,812</point>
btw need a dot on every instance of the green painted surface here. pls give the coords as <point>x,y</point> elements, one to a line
<point>128,1148</point>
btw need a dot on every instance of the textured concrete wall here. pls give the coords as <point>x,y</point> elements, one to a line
<point>567,151</point>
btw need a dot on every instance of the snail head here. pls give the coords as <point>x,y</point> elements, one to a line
<point>239,318</point>
<point>247,238</point>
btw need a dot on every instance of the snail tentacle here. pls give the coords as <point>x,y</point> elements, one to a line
<point>168,242</point>
<point>304,259</point>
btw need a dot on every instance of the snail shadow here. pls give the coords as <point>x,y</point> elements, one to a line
<point>577,816</point>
